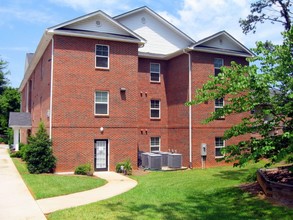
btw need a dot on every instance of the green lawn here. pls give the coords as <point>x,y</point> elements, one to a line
<point>49,185</point>
<point>193,194</point>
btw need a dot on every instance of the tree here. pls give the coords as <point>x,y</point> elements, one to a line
<point>39,155</point>
<point>268,10</point>
<point>3,80</point>
<point>9,101</point>
<point>268,93</point>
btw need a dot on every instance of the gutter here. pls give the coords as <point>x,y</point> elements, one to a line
<point>51,90</point>
<point>189,108</point>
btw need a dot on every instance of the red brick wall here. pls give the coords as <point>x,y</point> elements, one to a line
<point>40,93</point>
<point>147,91</point>
<point>128,126</point>
<point>75,127</point>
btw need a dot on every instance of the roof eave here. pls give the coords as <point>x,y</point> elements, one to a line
<point>71,34</point>
<point>230,53</point>
<point>44,42</point>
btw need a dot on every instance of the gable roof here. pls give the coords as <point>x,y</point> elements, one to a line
<point>91,23</point>
<point>163,38</point>
<point>147,9</point>
<point>222,43</point>
<point>20,120</point>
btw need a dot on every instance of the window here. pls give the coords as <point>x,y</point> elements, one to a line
<point>218,62</point>
<point>219,144</point>
<point>219,103</point>
<point>155,72</point>
<point>102,56</point>
<point>155,109</point>
<point>101,103</point>
<point>155,143</point>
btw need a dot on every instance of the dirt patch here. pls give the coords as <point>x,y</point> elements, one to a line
<point>140,172</point>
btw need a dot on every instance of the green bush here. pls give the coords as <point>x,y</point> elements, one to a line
<point>124,167</point>
<point>39,155</point>
<point>84,169</point>
<point>24,148</point>
<point>15,154</point>
<point>289,159</point>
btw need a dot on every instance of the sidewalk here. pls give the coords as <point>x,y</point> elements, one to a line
<point>16,202</point>
<point>116,185</point>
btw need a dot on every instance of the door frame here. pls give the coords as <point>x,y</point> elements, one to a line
<point>107,155</point>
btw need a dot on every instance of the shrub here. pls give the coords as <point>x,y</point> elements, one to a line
<point>124,167</point>
<point>84,169</point>
<point>289,159</point>
<point>24,148</point>
<point>15,154</point>
<point>39,155</point>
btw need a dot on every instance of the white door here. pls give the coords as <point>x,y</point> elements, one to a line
<point>101,155</point>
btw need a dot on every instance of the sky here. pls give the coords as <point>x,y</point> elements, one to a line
<point>23,22</point>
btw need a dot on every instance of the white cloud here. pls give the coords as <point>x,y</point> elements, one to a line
<point>27,15</point>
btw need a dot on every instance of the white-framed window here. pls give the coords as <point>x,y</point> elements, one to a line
<point>101,103</point>
<point>219,103</point>
<point>155,109</point>
<point>102,56</point>
<point>219,144</point>
<point>155,72</point>
<point>155,143</point>
<point>218,62</point>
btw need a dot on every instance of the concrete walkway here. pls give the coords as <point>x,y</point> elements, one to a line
<point>116,185</point>
<point>16,202</point>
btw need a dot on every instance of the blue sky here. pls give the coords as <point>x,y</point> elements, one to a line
<point>22,22</point>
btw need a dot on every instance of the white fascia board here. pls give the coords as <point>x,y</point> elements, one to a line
<point>45,40</point>
<point>222,52</point>
<point>163,56</point>
<point>60,32</point>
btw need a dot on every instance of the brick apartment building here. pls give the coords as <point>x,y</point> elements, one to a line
<point>110,87</point>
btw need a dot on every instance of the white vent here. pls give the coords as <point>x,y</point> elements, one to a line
<point>143,20</point>
<point>98,23</point>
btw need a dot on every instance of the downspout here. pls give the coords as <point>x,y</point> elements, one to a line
<point>189,108</point>
<point>51,89</point>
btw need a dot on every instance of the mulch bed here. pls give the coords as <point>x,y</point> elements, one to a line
<point>281,175</point>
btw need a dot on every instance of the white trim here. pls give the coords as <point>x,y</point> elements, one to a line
<point>153,81</point>
<point>156,145</point>
<point>217,147</point>
<point>110,19</point>
<point>108,103</point>
<point>155,109</point>
<point>51,89</point>
<point>108,57</point>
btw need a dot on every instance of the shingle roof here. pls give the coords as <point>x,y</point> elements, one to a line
<point>20,119</point>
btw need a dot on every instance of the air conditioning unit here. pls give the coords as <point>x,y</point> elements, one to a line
<point>145,160</point>
<point>175,160</point>
<point>155,161</point>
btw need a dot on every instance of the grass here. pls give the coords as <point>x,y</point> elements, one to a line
<point>193,194</point>
<point>50,185</point>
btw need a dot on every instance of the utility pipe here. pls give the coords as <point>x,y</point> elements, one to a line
<point>51,89</point>
<point>189,108</point>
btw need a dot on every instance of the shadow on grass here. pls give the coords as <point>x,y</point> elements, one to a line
<point>229,203</point>
<point>232,174</point>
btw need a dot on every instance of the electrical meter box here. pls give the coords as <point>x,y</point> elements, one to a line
<point>203,149</point>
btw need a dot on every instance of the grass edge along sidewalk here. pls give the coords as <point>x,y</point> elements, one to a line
<point>51,185</point>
